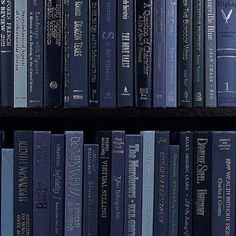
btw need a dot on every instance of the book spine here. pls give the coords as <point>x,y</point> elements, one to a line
<point>210,54</point>
<point>90,204</point>
<point>143,53</point>
<point>23,183</point>
<point>173,190</point>
<point>53,53</point>
<point>125,57</point>
<point>202,184</point>
<point>133,185</point>
<point>73,183</point>
<point>41,183</point>
<point>171,54</point>
<point>107,53</point>
<point>161,183</point>
<point>198,53</point>
<point>223,184</point>
<point>6,192</point>
<point>20,53</point>
<point>93,86</point>
<point>226,52</point>
<point>78,53</point>
<point>35,44</point>
<point>104,183</point>
<point>7,53</point>
<point>159,52</point>
<point>185,61</point>
<point>1,145</point>
<point>117,182</point>
<point>57,185</point>
<point>148,182</point>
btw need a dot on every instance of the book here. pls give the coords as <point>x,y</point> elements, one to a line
<point>73,183</point>
<point>41,183</point>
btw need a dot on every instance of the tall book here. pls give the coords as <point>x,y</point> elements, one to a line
<point>7,53</point>
<point>23,183</point>
<point>73,183</point>
<point>143,53</point>
<point>133,185</point>
<point>185,58</point>
<point>223,184</point>
<point>226,52</point>
<point>41,183</point>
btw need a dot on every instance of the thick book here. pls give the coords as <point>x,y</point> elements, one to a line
<point>223,184</point>
<point>185,52</point>
<point>161,191</point>
<point>148,182</point>
<point>41,183</point>
<point>90,194</point>
<point>6,190</point>
<point>53,53</point>
<point>117,182</point>
<point>23,183</point>
<point>202,184</point>
<point>125,51</point>
<point>143,53</point>
<point>226,52</point>
<point>20,53</point>
<point>57,179</point>
<point>7,53</point>
<point>133,185</point>
<point>107,54</point>
<point>73,183</point>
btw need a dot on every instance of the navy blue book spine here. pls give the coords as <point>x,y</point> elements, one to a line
<point>226,52</point>
<point>90,202</point>
<point>23,183</point>
<point>117,182</point>
<point>107,53</point>
<point>57,184</point>
<point>161,176</point>
<point>133,185</point>
<point>125,50</point>
<point>35,14</point>
<point>7,54</point>
<point>1,145</point>
<point>41,183</point>
<point>53,53</point>
<point>143,53</point>
<point>202,184</point>
<point>223,184</point>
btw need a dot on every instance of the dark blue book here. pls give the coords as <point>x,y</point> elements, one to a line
<point>107,41</point>
<point>90,202</point>
<point>7,53</point>
<point>53,53</point>
<point>41,183</point>
<point>1,145</point>
<point>226,53</point>
<point>223,183</point>
<point>125,50</point>
<point>133,185</point>
<point>57,184</point>
<point>23,183</point>
<point>173,190</point>
<point>143,53</point>
<point>117,182</point>
<point>35,44</point>
<point>161,191</point>
<point>73,183</point>
<point>202,184</point>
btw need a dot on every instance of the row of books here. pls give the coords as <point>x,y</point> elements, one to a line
<point>143,184</point>
<point>109,53</point>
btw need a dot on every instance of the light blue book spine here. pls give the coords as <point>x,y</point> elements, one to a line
<point>148,182</point>
<point>171,53</point>
<point>20,53</point>
<point>7,193</point>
